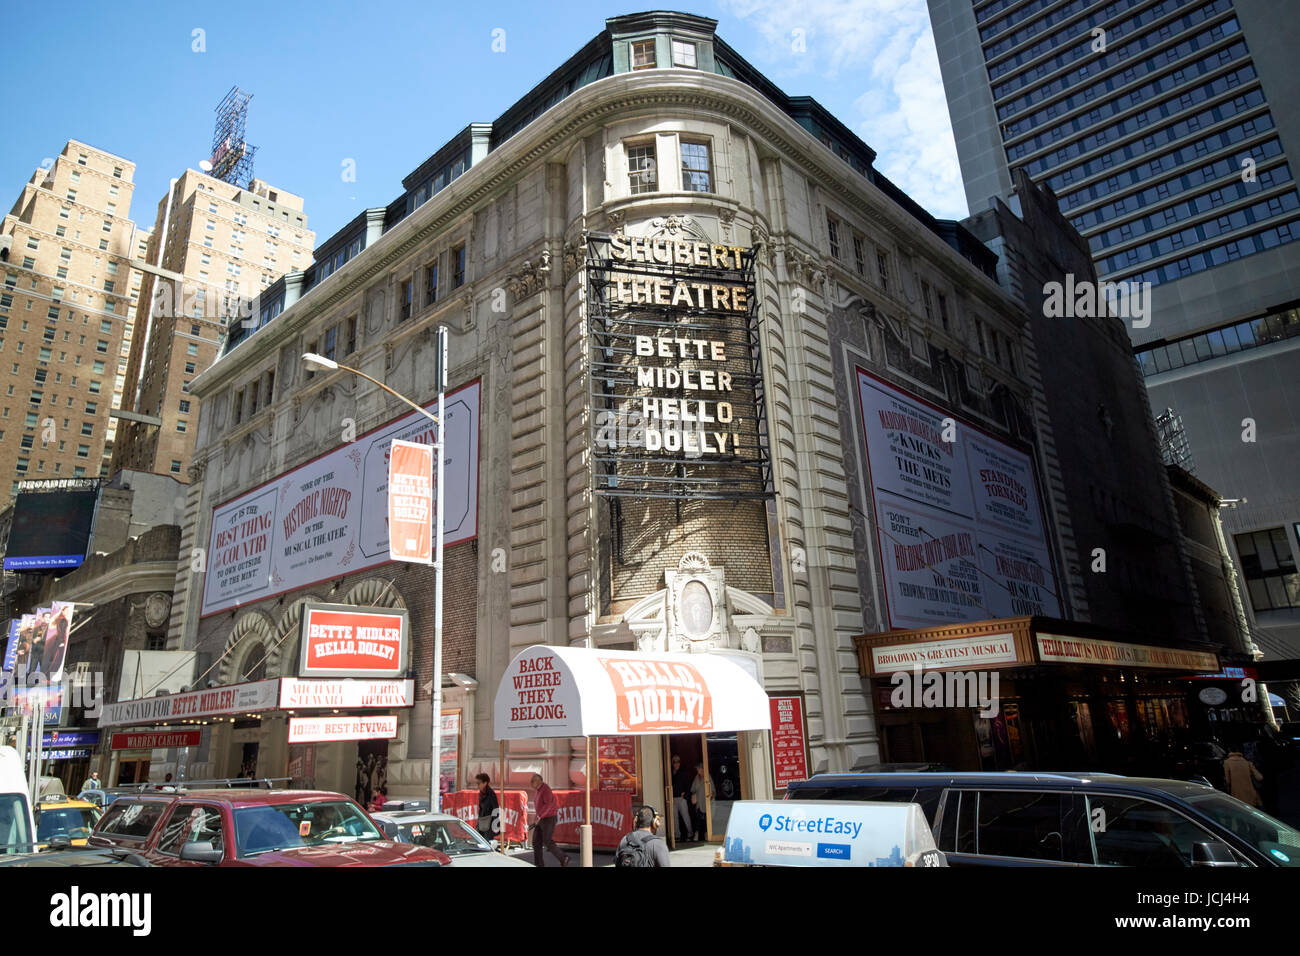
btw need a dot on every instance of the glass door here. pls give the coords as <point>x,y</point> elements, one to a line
<point>722,757</point>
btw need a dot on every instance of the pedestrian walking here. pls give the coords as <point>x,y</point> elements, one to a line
<point>487,805</point>
<point>548,811</point>
<point>1240,777</point>
<point>91,782</point>
<point>701,795</point>
<point>643,846</point>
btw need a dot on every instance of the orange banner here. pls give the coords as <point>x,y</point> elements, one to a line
<point>410,502</point>
<point>654,697</point>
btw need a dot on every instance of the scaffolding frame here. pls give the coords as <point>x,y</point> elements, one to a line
<point>232,155</point>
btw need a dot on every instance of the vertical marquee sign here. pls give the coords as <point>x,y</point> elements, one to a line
<point>676,379</point>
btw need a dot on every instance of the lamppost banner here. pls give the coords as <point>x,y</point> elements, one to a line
<point>410,502</point>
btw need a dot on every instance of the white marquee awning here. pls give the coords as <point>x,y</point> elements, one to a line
<point>585,692</point>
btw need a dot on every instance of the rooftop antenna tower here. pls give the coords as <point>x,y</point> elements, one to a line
<point>232,155</point>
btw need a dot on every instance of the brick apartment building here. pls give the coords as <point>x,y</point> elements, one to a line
<point>227,244</point>
<point>66,316</point>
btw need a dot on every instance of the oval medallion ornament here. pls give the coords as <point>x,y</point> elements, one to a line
<point>696,613</point>
<point>1212,696</point>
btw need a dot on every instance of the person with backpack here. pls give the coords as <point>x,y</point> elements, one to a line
<point>643,846</point>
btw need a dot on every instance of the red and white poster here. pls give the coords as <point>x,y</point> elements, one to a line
<point>654,697</point>
<point>154,739</point>
<point>789,741</point>
<point>511,816</point>
<point>410,502</point>
<point>339,640</point>
<point>611,816</point>
<point>616,765</point>
<point>308,730</point>
<point>329,516</point>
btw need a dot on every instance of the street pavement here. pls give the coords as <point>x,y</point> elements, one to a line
<point>700,854</point>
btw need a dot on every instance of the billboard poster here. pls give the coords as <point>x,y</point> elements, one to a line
<point>305,730</point>
<point>51,524</point>
<point>410,502</point>
<point>959,522</point>
<point>789,741</point>
<point>449,751</point>
<point>11,644</point>
<point>339,640</point>
<point>330,516</point>
<point>616,768</point>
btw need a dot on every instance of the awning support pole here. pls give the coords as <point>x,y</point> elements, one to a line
<point>586,826</point>
<point>501,801</point>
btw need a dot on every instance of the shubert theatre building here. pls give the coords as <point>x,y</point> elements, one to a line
<point>671,291</point>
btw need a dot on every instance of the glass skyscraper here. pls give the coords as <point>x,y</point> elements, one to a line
<point>1164,128</point>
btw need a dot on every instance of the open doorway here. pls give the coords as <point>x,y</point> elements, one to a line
<point>372,770</point>
<point>704,779</point>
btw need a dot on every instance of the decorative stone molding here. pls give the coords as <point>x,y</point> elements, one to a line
<point>804,269</point>
<point>251,629</point>
<point>697,607</point>
<point>677,224</point>
<point>530,279</point>
<point>616,219</point>
<point>197,469</point>
<point>575,256</point>
<point>157,608</point>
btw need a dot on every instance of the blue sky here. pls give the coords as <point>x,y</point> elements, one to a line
<point>384,84</point>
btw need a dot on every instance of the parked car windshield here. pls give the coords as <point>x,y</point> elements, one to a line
<point>450,836</point>
<point>1271,837</point>
<point>73,822</point>
<point>290,825</point>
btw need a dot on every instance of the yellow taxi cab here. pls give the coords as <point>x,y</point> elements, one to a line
<point>62,816</point>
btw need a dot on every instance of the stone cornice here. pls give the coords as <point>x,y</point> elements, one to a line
<point>117,583</point>
<point>622,96</point>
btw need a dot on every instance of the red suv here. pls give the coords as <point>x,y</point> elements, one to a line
<point>253,828</point>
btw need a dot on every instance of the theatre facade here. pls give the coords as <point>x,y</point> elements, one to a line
<point>714,380</point>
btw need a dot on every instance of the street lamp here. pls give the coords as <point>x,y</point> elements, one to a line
<point>435,704</point>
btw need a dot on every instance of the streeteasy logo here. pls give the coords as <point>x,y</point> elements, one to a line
<point>786,824</point>
<point>77,910</point>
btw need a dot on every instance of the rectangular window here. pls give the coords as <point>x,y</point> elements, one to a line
<point>684,54</point>
<point>189,368</point>
<point>181,424</point>
<point>352,335</point>
<point>833,231</point>
<point>458,267</point>
<point>407,293</point>
<point>695,168</point>
<point>642,174</point>
<point>430,284</point>
<point>925,299</point>
<point>192,349</point>
<point>643,54</point>
<point>237,407</point>
<point>331,336</point>
<point>87,429</point>
<point>882,268</point>
<point>1269,568</point>
<point>176,467</point>
<point>859,256</point>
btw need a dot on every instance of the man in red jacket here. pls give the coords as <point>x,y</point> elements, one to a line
<point>547,813</point>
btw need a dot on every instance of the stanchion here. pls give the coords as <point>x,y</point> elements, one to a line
<point>585,831</point>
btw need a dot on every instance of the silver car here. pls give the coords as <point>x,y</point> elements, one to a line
<point>441,831</point>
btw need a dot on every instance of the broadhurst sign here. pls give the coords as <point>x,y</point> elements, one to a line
<point>959,522</point>
<point>330,516</point>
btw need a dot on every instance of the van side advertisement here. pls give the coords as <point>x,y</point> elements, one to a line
<point>329,517</point>
<point>957,516</point>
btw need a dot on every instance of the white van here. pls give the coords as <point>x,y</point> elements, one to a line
<point>17,826</point>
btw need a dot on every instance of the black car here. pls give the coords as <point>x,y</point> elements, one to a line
<point>1073,819</point>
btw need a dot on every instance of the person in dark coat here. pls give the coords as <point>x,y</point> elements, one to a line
<point>487,805</point>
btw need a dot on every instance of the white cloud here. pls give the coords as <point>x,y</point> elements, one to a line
<point>882,53</point>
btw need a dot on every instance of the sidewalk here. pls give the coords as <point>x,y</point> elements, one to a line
<point>699,855</point>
